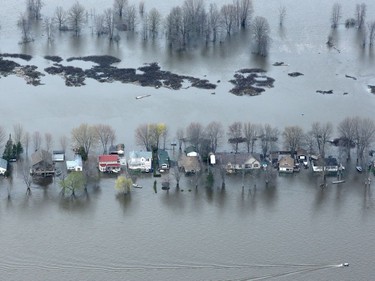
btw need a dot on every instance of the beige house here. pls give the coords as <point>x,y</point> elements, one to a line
<point>286,164</point>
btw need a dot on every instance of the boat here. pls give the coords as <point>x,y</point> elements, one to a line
<point>338,181</point>
<point>142,96</point>
<point>359,169</point>
<point>136,185</point>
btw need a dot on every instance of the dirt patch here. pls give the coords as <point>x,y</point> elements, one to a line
<point>17,56</point>
<point>251,82</point>
<point>54,58</point>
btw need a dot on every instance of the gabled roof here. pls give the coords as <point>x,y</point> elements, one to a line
<point>140,154</point>
<point>190,149</point>
<point>41,156</point>
<point>163,156</point>
<point>286,161</point>
<point>236,158</point>
<point>108,158</point>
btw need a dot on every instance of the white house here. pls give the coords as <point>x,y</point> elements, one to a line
<point>75,165</point>
<point>140,160</point>
<point>3,166</point>
<point>286,164</point>
<point>58,156</point>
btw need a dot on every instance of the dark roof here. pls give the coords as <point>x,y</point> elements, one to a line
<point>163,156</point>
<point>41,156</point>
<point>331,161</point>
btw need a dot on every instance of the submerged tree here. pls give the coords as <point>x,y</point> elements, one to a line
<point>72,183</point>
<point>336,14</point>
<point>347,129</point>
<point>84,137</point>
<point>250,131</point>
<point>260,33</point>
<point>123,185</point>
<point>105,135</point>
<point>235,136</point>
<point>33,8</point>
<point>293,138</point>
<point>321,133</point>
<point>61,18</point>
<point>282,15</point>
<point>214,132</point>
<point>360,14</point>
<point>371,32</point>
<point>25,27</point>
<point>76,18</point>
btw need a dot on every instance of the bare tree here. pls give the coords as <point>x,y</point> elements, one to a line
<point>245,11</point>
<point>154,22</point>
<point>2,136</point>
<point>268,136</point>
<point>48,141</point>
<point>228,17</point>
<point>293,138</point>
<point>99,25</point>
<point>371,32</point>
<point>260,31</point>
<point>156,132</point>
<point>176,30</point>
<point>104,134</point>
<point>194,134</point>
<point>364,135</point>
<point>33,8</point>
<point>360,14</point>
<point>250,131</point>
<point>25,26</point>
<point>76,17</point>
<point>18,133</point>
<point>131,17</point>
<point>48,28</point>
<point>119,7</point>
<point>214,19</point>
<point>347,130</point>
<point>194,16</point>
<point>61,18</point>
<point>235,136</point>
<point>177,175</point>
<point>141,8</point>
<point>36,140</point>
<point>63,142</point>
<point>180,137</point>
<point>214,132</point>
<point>336,14</point>
<point>26,143</point>
<point>143,136</point>
<point>84,137</point>
<point>322,133</point>
<point>282,15</point>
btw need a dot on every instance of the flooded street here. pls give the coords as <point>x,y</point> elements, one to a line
<point>293,231</point>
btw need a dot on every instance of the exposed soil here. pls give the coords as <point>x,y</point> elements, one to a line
<point>253,83</point>
<point>54,58</point>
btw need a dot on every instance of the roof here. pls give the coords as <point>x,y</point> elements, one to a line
<point>190,149</point>
<point>163,156</point>
<point>286,161</point>
<point>108,158</point>
<point>140,154</point>
<point>3,163</point>
<point>41,156</point>
<point>236,158</point>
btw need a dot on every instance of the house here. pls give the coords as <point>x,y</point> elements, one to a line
<point>140,160</point>
<point>286,164</point>
<point>235,162</point>
<point>76,164</point>
<point>58,156</point>
<point>191,151</point>
<point>42,164</point>
<point>163,159</point>
<point>329,164</point>
<point>119,150</point>
<point>3,166</point>
<point>189,164</point>
<point>109,163</point>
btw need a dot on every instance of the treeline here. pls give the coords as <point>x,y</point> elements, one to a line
<point>351,133</point>
<point>184,26</point>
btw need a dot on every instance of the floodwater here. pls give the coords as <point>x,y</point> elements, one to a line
<point>292,231</point>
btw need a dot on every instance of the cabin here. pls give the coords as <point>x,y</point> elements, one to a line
<point>42,164</point>
<point>58,156</point>
<point>3,166</point>
<point>140,161</point>
<point>163,159</point>
<point>286,164</point>
<point>119,150</point>
<point>237,162</point>
<point>76,164</point>
<point>109,163</point>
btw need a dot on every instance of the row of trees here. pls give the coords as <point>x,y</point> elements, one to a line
<point>359,21</point>
<point>352,132</point>
<point>186,25</point>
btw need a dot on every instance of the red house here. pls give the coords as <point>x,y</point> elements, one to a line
<point>109,163</point>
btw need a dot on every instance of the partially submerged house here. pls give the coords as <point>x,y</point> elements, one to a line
<point>329,164</point>
<point>119,150</point>
<point>140,161</point>
<point>42,164</point>
<point>191,151</point>
<point>286,164</point>
<point>237,162</point>
<point>109,163</point>
<point>189,164</point>
<point>3,166</point>
<point>76,164</point>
